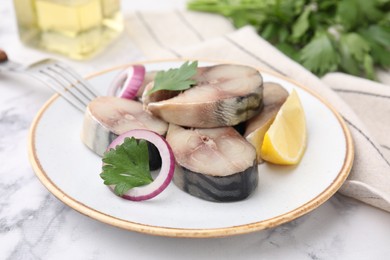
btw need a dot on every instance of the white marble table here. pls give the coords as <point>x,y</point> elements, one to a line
<point>36,225</point>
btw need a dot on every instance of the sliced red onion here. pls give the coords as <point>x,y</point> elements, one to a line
<point>128,82</point>
<point>167,167</point>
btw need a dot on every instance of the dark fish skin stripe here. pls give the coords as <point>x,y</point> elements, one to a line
<point>206,194</point>
<point>112,137</point>
<point>230,188</point>
<point>107,138</point>
<point>254,96</point>
<point>212,183</point>
<point>248,106</point>
<point>227,183</point>
<point>255,103</point>
<point>252,108</point>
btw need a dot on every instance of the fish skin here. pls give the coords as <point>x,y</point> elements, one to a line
<point>215,164</point>
<point>230,188</point>
<point>225,95</point>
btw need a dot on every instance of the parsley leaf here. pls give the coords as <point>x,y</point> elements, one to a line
<point>368,64</point>
<point>127,166</point>
<point>298,27</point>
<point>379,34</point>
<point>302,24</point>
<point>379,39</point>
<point>357,46</point>
<point>354,50</point>
<point>319,55</point>
<point>369,10</point>
<point>347,13</point>
<point>347,61</point>
<point>175,79</point>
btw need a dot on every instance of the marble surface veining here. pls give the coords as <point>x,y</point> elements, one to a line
<point>36,225</point>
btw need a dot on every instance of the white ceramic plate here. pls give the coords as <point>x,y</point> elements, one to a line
<point>71,172</point>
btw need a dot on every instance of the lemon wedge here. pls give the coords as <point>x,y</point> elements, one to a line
<point>274,96</point>
<point>285,141</point>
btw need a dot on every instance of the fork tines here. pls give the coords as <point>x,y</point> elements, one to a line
<point>67,83</point>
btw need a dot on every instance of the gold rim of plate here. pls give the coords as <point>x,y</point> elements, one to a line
<point>185,232</point>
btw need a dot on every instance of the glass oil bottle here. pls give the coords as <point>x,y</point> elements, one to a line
<point>76,28</point>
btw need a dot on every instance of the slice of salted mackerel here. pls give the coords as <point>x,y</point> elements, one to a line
<point>274,97</point>
<point>108,117</point>
<point>215,164</point>
<point>224,95</point>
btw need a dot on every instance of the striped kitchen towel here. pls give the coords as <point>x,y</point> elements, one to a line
<point>364,104</point>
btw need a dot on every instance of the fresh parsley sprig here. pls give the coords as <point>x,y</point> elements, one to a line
<point>352,36</point>
<point>175,79</point>
<point>127,166</point>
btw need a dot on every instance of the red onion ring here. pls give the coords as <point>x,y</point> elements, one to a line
<point>167,167</point>
<point>127,82</point>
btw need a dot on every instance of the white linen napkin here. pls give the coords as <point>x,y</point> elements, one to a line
<point>364,104</point>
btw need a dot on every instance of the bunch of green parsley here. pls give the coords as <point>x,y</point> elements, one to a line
<point>352,36</point>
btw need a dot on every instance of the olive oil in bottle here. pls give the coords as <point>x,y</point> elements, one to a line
<point>76,28</point>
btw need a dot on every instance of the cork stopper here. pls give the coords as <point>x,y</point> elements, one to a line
<point>3,56</point>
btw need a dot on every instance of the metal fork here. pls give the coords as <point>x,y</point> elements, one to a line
<point>57,76</point>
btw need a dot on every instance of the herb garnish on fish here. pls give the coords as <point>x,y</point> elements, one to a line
<point>127,166</point>
<point>176,79</point>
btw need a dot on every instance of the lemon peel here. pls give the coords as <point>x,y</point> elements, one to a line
<point>285,141</point>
